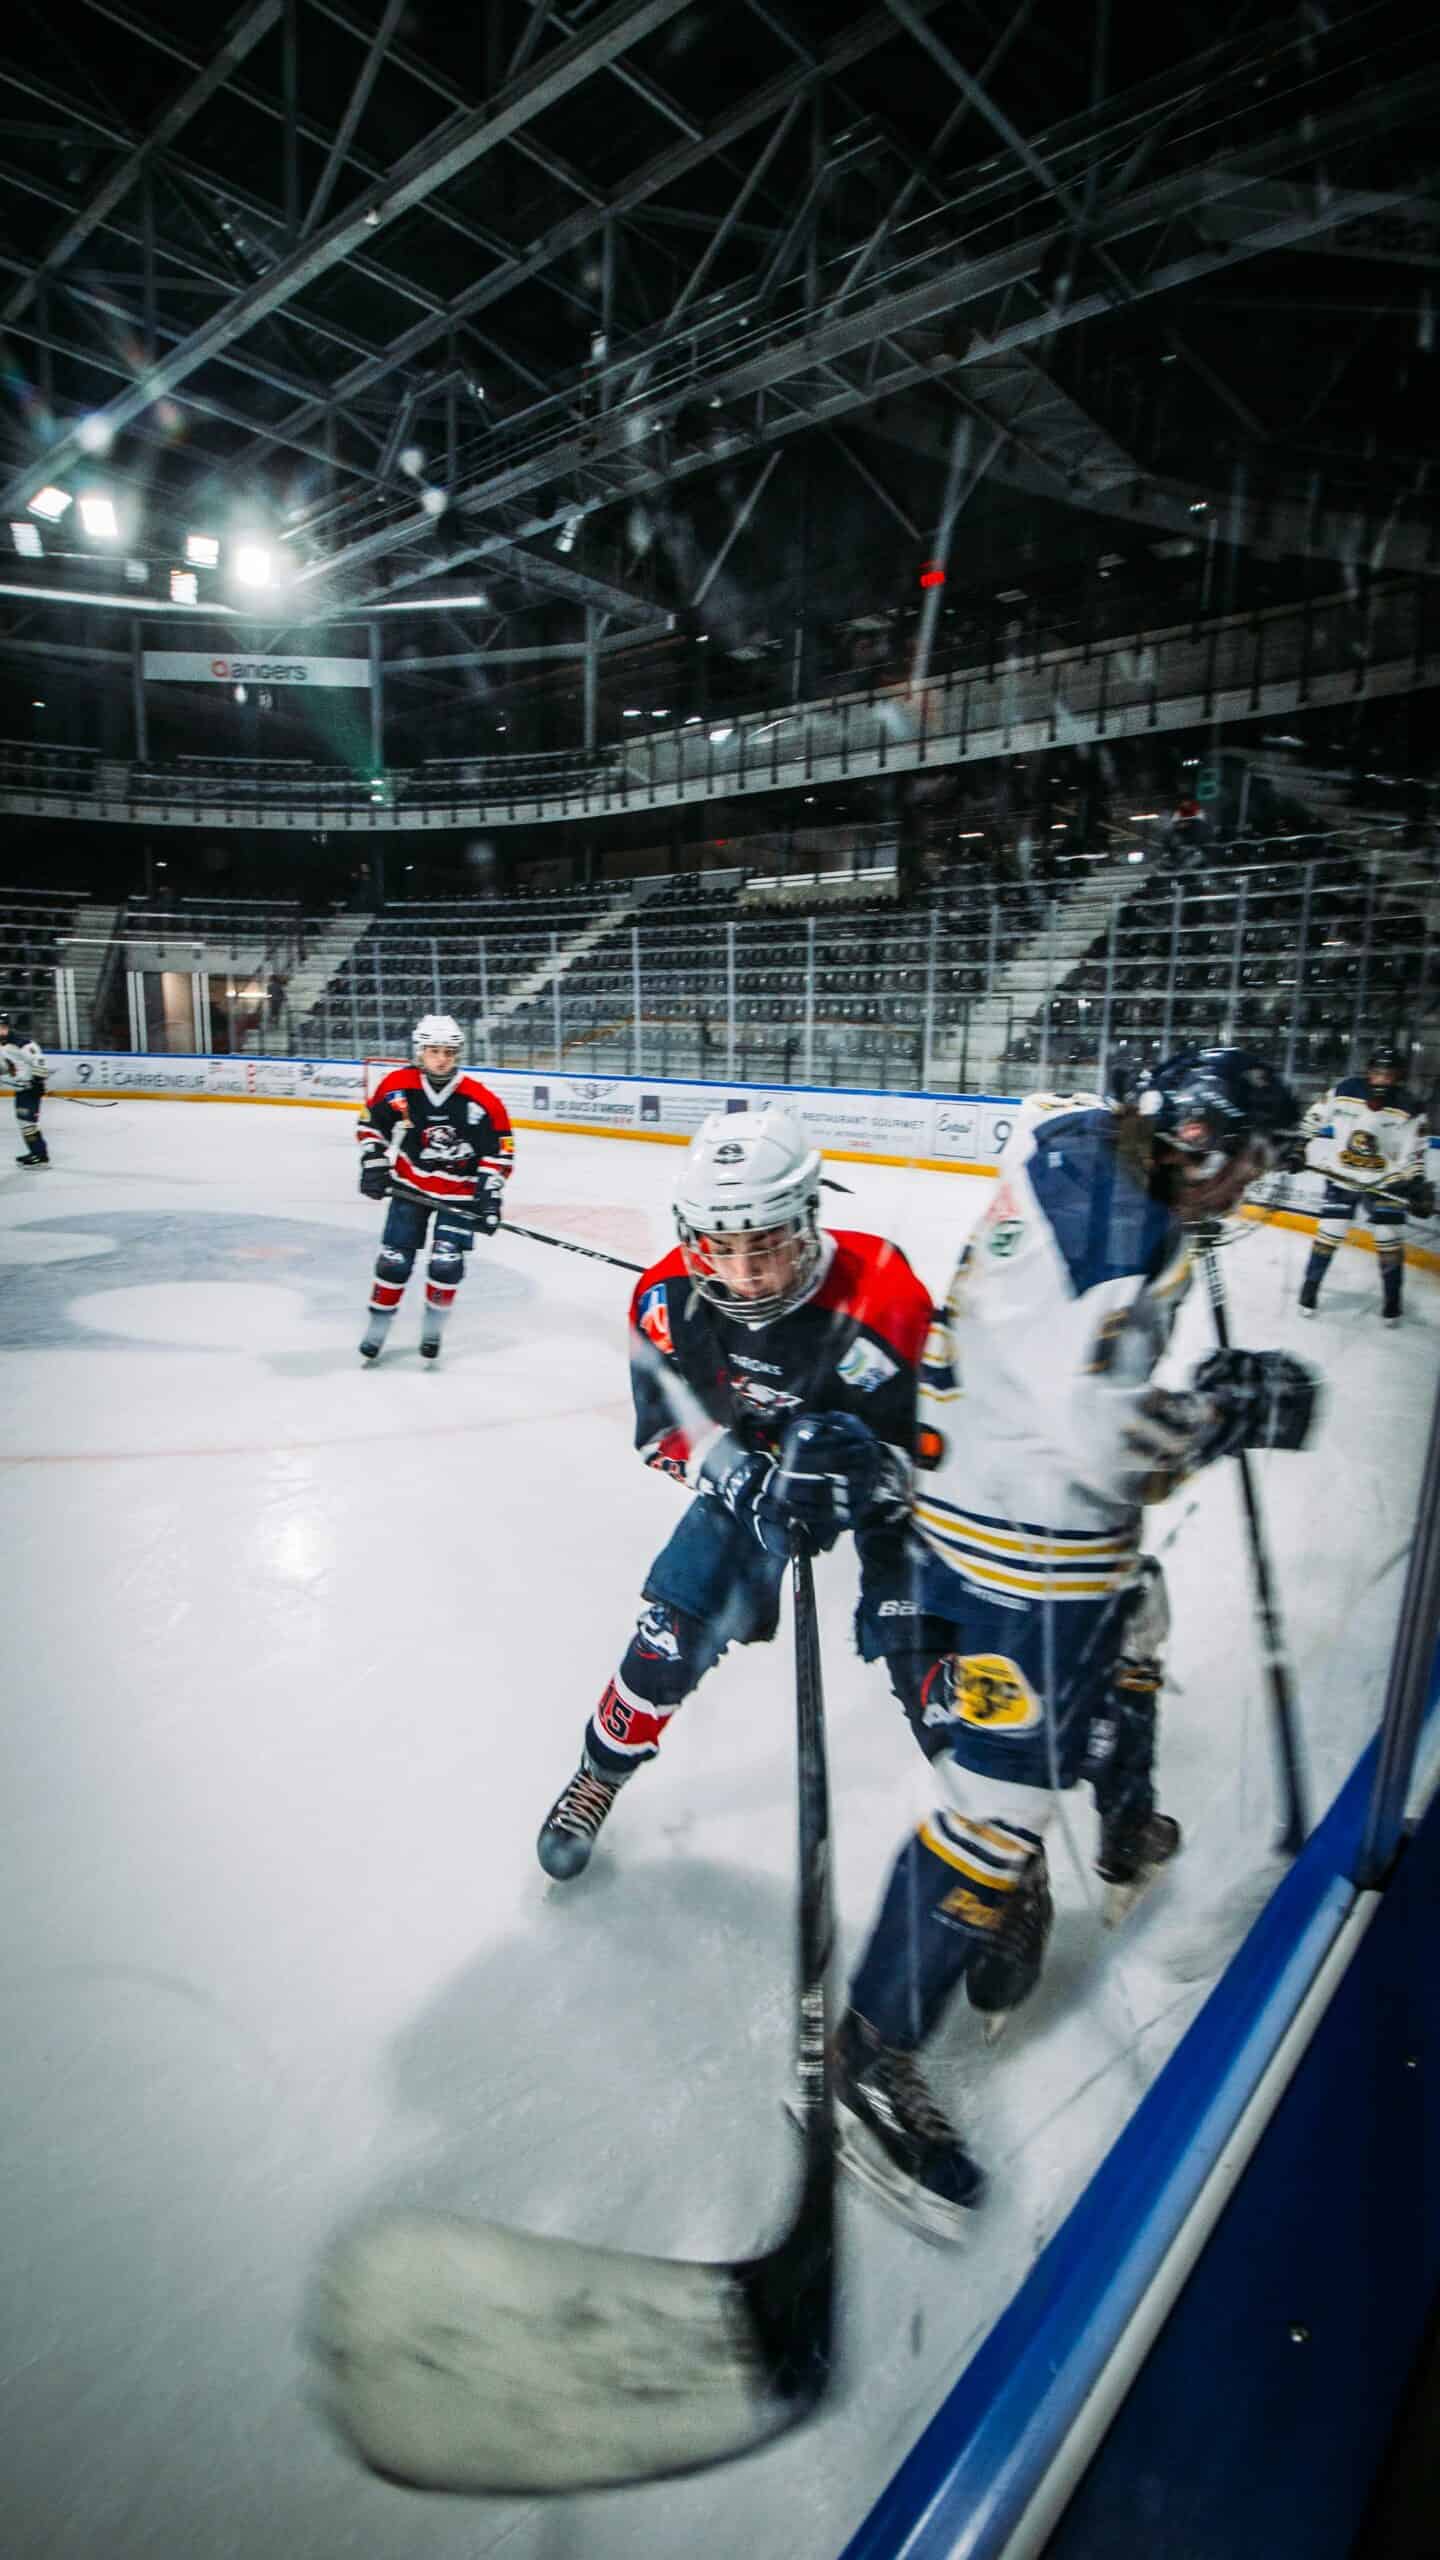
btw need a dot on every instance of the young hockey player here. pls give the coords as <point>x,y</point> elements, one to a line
<point>437,1143</point>
<point>1031,1655</point>
<point>773,1368</point>
<point>1368,1137</point>
<point>24,1059</point>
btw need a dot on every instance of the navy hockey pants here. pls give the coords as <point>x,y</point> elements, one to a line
<point>1012,1698</point>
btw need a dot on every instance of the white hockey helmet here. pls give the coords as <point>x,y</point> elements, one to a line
<point>749,1197</point>
<point>437,1031</point>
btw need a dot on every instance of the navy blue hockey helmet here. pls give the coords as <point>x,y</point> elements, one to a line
<point>1213,1104</point>
<point>1385,1060</point>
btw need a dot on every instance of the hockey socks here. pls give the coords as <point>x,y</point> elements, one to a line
<point>373,1339</point>
<point>952,1893</point>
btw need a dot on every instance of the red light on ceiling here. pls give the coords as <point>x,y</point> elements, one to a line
<point>931,574</point>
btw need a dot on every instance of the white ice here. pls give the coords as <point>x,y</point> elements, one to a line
<point>299,1653</point>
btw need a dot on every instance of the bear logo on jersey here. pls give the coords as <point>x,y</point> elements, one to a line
<point>1362,1151</point>
<point>986,1690</point>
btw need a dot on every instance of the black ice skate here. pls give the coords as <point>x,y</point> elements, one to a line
<point>568,1832</point>
<point>1309,1292</point>
<point>373,1339</point>
<point>1004,1969</point>
<point>432,1325</point>
<point>1132,1852</point>
<point>892,2135</point>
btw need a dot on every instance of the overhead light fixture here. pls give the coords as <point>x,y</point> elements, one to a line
<point>565,538</point>
<point>202,550</point>
<point>719,736</point>
<point>1011,595</point>
<point>184,587</point>
<point>251,564</point>
<point>632,715</point>
<point>50,503</point>
<point>97,514</point>
<point>26,538</point>
<point>137,573</point>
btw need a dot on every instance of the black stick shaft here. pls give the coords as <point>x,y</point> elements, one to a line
<point>1272,1634</point>
<point>791,2292</point>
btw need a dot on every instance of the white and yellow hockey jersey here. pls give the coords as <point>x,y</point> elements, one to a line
<point>1062,1304</point>
<point>24,1060</point>
<point>1363,1147</point>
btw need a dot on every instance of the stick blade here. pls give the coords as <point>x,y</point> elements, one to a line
<point>467,2356</point>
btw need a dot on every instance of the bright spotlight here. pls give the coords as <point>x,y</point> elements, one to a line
<point>95,435</point>
<point>719,736</point>
<point>251,563</point>
<point>97,514</point>
<point>26,538</point>
<point>202,550</point>
<point>50,503</point>
<point>184,587</point>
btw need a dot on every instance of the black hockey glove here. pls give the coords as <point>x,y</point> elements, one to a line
<point>1263,1400</point>
<point>483,1212</point>
<point>1293,1155</point>
<point>1236,1400</point>
<point>743,1481</point>
<point>375,1173</point>
<point>1418,1195</point>
<point>835,1475</point>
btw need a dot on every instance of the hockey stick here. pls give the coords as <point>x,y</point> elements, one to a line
<point>1273,1647</point>
<point>469,2356</point>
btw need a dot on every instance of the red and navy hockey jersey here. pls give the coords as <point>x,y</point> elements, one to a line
<point>853,1346</point>
<point>445,1138</point>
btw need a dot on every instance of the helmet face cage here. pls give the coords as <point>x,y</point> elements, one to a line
<point>437,1031</point>
<point>1384,1061</point>
<point>1213,1107</point>
<point>750,1189</point>
<point>793,1242</point>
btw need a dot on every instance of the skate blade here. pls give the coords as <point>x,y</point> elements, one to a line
<point>994,2024</point>
<point>927,2216</point>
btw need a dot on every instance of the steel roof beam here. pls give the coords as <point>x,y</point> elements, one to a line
<point>355,106</point>
<point>443,157</point>
<point>257,100</point>
<point>955,286</point>
<point>245,33</point>
<point>577,229</point>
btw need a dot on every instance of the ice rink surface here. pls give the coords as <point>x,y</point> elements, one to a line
<point>299,1653</point>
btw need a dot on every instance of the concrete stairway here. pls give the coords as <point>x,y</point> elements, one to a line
<point>1018,995</point>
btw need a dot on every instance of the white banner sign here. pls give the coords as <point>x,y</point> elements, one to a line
<point>191,666</point>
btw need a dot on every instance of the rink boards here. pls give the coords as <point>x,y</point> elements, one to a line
<point>933,1132</point>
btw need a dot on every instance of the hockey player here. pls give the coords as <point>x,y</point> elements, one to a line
<point>773,1368</point>
<point>1369,1139</point>
<point>24,1059</point>
<point>1031,1654</point>
<point>437,1143</point>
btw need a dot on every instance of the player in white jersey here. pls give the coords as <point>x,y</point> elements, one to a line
<point>1028,1652</point>
<point>23,1059</point>
<point>1369,1139</point>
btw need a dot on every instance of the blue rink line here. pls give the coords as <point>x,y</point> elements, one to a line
<point>1001,2431</point>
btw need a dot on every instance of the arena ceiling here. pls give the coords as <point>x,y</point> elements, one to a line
<point>525,325</point>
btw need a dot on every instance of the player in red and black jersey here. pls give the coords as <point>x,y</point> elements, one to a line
<point>774,1372</point>
<point>436,1143</point>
